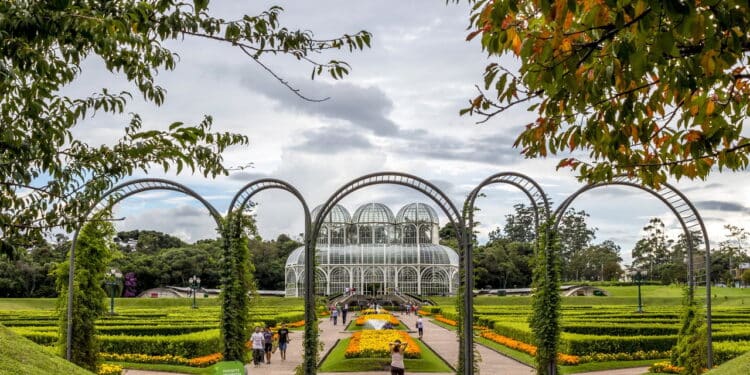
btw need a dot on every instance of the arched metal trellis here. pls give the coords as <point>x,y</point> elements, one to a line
<point>108,200</point>
<point>445,204</point>
<point>689,219</point>
<point>533,191</point>
<point>239,203</point>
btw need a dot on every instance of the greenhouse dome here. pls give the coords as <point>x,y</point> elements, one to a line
<point>373,252</point>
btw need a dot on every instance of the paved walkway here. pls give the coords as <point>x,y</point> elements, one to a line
<point>441,340</point>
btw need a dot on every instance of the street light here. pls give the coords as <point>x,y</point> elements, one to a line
<point>638,277</point>
<point>195,283</point>
<point>112,280</point>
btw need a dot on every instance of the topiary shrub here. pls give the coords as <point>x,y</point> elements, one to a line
<point>545,318</point>
<point>93,253</point>
<point>237,281</point>
<point>690,351</point>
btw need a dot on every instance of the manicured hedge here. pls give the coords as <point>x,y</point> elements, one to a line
<point>577,344</point>
<point>188,345</point>
<point>615,329</point>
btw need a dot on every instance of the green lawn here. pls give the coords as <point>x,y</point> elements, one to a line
<point>653,295</point>
<point>737,366</point>
<point>336,362</point>
<point>21,356</point>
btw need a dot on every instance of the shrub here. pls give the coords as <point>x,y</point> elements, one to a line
<point>188,345</point>
<point>93,246</point>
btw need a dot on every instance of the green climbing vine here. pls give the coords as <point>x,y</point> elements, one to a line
<point>545,318</point>
<point>690,350</point>
<point>93,253</point>
<point>236,281</point>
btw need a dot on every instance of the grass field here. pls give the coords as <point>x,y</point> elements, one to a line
<point>21,356</point>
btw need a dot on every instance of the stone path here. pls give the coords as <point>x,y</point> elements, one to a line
<point>441,340</point>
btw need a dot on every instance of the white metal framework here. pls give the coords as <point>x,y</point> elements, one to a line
<point>375,252</point>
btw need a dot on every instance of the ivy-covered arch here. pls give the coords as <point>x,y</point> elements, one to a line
<point>239,203</point>
<point>107,201</point>
<point>466,352</point>
<point>690,221</point>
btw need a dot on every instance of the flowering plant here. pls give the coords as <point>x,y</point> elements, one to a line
<point>375,344</point>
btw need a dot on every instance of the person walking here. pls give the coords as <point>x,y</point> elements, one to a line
<point>283,341</point>
<point>334,315</point>
<point>344,311</point>
<point>420,326</point>
<point>257,343</point>
<point>268,343</point>
<point>397,357</point>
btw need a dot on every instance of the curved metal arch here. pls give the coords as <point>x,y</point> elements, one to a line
<point>109,199</point>
<point>527,185</point>
<point>689,219</point>
<point>240,202</point>
<point>448,208</point>
<point>392,178</point>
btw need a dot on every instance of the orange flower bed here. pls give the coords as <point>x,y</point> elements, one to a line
<point>424,313</point>
<point>205,360</point>
<point>447,321</point>
<point>374,344</point>
<point>565,359</point>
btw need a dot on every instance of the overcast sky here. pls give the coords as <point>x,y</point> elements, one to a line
<point>398,110</point>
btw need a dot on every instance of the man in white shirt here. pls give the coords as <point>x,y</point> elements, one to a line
<point>257,340</point>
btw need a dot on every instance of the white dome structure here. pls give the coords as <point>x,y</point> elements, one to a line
<point>376,253</point>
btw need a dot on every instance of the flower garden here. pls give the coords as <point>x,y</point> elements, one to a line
<point>368,349</point>
<point>154,332</point>
<point>374,344</point>
<point>603,333</point>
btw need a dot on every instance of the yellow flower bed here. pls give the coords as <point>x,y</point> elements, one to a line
<point>362,319</point>
<point>374,344</point>
<point>372,311</point>
<point>107,369</point>
<point>166,359</point>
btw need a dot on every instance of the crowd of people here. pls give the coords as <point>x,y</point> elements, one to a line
<point>265,342</point>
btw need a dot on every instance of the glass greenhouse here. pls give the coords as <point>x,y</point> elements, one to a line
<point>374,252</point>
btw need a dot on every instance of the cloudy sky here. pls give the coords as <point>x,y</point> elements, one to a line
<point>398,111</point>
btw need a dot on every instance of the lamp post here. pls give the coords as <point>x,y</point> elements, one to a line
<point>638,276</point>
<point>112,280</point>
<point>195,283</point>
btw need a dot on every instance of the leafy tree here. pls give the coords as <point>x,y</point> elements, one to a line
<point>519,226</point>
<point>735,247</point>
<point>48,177</point>
<point>652,251</point>
<point>93,253</point>
<point>503,264</point>
<point>649,88</point>
<point>574,236</point>
<point>599,262</point>
<point>746,277</point>
<point>148,241</point>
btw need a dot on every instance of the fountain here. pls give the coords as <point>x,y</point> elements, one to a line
<point>376,324</point>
